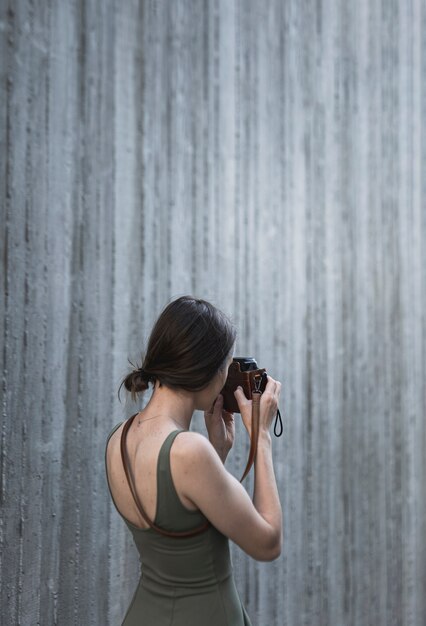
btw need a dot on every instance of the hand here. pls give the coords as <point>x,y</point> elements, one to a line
<point>267,408</point>
<point>220,428</point>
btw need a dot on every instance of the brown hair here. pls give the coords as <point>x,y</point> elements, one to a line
<point>188,346</point>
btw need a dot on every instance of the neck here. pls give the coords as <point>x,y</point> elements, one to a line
<point>170,405</point>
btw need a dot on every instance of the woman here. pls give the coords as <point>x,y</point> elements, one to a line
<point>181,480</point>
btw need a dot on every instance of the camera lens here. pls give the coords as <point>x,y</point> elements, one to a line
<point>247,363</point>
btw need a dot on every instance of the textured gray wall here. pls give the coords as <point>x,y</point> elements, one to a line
<point>269,156</point>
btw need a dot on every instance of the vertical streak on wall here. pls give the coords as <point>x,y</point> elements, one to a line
<point>131,288</point>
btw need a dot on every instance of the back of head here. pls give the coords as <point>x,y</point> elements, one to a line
<point>188,345</point>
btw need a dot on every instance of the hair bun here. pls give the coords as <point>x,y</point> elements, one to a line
<point>143,374</point>
<point>137,381</point>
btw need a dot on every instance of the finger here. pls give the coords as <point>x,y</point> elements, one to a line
<point>216,410</point>
<point>218,404</point>
<point>210,411</point>
<point>240,395</point>
<point>227,416</point>
<point>271,384</point>
<point>214,407</point>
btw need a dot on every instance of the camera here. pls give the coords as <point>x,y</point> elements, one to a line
<point>243,372</point>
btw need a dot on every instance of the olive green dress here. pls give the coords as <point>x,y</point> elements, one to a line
<point>184,581</point>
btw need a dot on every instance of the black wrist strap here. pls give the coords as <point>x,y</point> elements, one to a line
<point>278,417</point>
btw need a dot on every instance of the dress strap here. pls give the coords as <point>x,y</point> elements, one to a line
<point>116,427</point>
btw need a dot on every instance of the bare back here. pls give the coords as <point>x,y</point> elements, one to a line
<point>143,446</point>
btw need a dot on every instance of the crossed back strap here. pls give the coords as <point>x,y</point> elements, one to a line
<point>189,533</point>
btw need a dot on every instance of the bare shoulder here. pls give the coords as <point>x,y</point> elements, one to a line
<point>191,447</point>
<point>193,461</point>
<point>190,453</point>
<point>192,439</point>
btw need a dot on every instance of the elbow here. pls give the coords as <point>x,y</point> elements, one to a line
<point>278,545</point>
<point>274,549</point>
<point>270,555</point>
<point>276,553</point>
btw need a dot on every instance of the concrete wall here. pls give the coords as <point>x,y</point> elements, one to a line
<point>270,157</point>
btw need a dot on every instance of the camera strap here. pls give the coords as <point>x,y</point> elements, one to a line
<point>254,434</point>
<point>255,417</point>
<point>278,417</point>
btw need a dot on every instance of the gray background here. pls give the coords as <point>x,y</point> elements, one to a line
<point>270,157</point>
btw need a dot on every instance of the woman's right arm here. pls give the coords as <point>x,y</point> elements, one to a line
<point>255,526</point>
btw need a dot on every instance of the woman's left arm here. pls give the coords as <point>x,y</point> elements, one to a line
<point>220,428</point>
